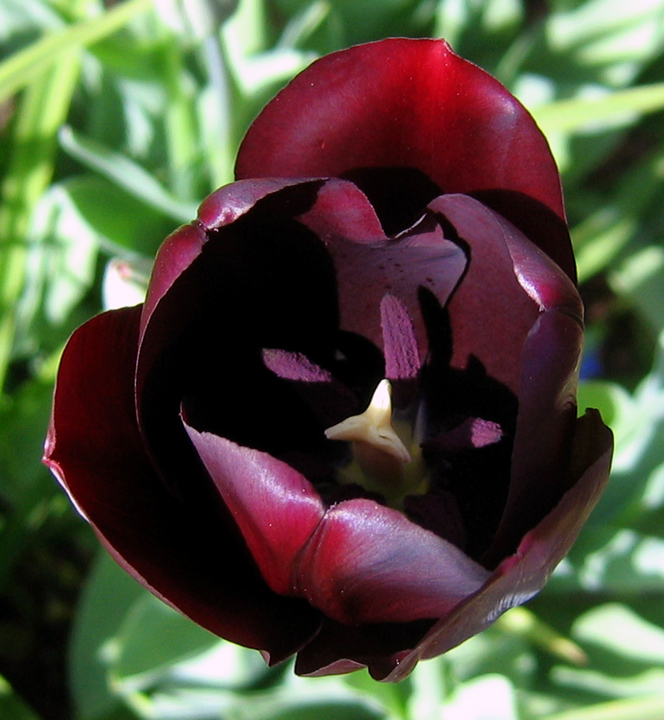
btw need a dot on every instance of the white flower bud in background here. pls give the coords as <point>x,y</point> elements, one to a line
<point>124,285</point>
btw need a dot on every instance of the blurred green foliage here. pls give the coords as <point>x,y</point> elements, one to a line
<point>115,122</point>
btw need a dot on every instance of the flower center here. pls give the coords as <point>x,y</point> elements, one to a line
<point>382,462</point>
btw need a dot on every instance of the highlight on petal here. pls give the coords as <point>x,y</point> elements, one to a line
<point>230,202</point>
<point>343,210</point>
<point>366,272</point>
<point>324,395</point>
<point>402,103</point>
<point>402,357</point>
<point>275,507</point>
<point>367,563</point>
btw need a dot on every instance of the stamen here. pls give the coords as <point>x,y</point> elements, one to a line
<point>373,426</point>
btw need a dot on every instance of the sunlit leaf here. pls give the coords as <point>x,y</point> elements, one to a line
<point>127,174</point>
<point>21,68</point>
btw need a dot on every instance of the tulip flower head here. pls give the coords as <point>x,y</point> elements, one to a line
<point>343,424</point>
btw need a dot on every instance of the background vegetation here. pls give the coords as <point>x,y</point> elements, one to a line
<point>116,120</point>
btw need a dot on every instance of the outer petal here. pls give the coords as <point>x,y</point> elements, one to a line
<point>341,648</point>
<point>185,555</point>
<point>408,103</point>
<point>522,575</point>
<point>367,563</point>
<point>547,395</point>
<point>545,423</point>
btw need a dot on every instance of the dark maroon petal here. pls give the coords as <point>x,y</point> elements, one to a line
<point>263,280</point>
<point>522,575</point>
<point>184,555</point>
<point>402,103</point>
<point>230,202</point>
<point>343,210</point>
<point>547,393</point>
<point>490,313</point>
<point>471,433</point>
<point>542,279</point>
<point>421,257</point>
<point>537,222</point>
<point>176,255</point>
<point>547,410</point>
<point>341,648</point>
<point>276,508</point>
<point>367,563</point>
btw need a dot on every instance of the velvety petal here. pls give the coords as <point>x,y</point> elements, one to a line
<point>275,507</point>
<point>547,391</point>
<point>402,103</point>
<point>366,272</point>
<point>230,202</point>
<point>367,563</point>
<point>175,255</point>
<point>547,411</point>
<point>542,278</point>
<point>184,555</point>
<point>341,648</point>
<point>522,575</point>
<point>490,313</point>
<point>343,210</point>
<point>537,222</point>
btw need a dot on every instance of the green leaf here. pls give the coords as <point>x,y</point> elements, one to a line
<point>594,113</point>
<point>618,628</point>
<point>138,230</point>
<point>608,35</point>
<point>152,638</point>
<point>488,696</point>
<point>42,110</point>
<point>11,705</point>
<point>126,174</point>
<point>639,708</point>
<point>22,67</point>
<point>615,404</point>
<point>107,597</point>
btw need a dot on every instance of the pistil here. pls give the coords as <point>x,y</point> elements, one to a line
<point>381,461</point>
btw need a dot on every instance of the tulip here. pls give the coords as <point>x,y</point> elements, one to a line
<point>343,424</point>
